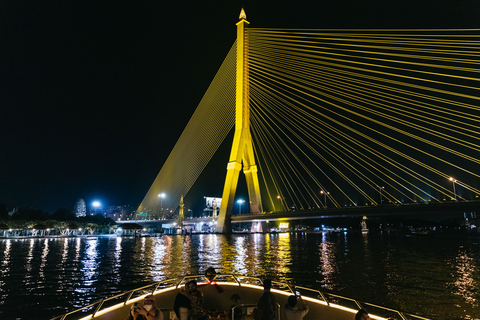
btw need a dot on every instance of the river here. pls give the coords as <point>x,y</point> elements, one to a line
<point>437,276</point>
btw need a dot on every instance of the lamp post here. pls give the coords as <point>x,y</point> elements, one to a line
<point>380,191</point>
<point>240,206</point>
<point>454,192</point>
<point>324,197</point>
<point>191,213</point>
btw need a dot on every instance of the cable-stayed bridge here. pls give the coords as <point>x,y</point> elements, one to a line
<point>332,119</point>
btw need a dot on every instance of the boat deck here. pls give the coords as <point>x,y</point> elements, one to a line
<point>323,306</point>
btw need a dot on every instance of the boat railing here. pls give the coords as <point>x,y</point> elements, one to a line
<point>308,294</point>
<point>338,301</point>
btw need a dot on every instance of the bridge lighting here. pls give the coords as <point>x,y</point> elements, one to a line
<point>240,202</point>
<point>453,183</point>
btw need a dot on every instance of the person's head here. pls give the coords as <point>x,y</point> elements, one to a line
<point>292,301</point>
<point>192,285</point>
<point>235,298</point>
<point>362,315</point>
<point>267,284</point>
<point>149,302</point>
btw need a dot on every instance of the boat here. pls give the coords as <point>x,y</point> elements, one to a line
<point>219,288</point>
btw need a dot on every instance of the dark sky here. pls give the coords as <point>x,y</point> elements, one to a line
<point>94,94</point>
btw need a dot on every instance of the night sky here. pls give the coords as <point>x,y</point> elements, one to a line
<point>94,94</point>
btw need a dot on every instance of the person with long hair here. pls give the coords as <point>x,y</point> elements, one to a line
<point>362,315</point>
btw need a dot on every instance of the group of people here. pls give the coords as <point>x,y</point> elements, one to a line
<point>189,306</point>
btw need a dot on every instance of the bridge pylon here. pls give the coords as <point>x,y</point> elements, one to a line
<point>242,147</point>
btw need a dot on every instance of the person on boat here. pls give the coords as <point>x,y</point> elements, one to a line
<point>182,304</point>
<point>295,309</point>
<point>198,310</point>
<point>237,312</point>
<point>362,315</point>
<point>267,304</point>
<point>148,312</point>
<point>134,315</point>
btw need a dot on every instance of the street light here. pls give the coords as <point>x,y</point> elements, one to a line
<point>191,213</point>
<point>96,204</point>
<point>453,183</point>
<point>161,196</point>
<point>380,191</point>
<point>324,197</point>
<point>240,205</point>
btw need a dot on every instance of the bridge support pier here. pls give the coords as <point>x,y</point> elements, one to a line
<point>242,146</point>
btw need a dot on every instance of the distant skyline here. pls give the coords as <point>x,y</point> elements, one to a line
<point>94,95</point>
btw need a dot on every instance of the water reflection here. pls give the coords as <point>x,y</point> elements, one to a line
<point>159,256</point>
<point>43,259</point>
<point>89,270</point>
<point>282,254</point>
<point>465,282</point>
<point>28,262</point>
<point>328,262</point>
<point>64,252</point>
<point>5,268</point>
<point>241,256</point>
<point>413,270</point>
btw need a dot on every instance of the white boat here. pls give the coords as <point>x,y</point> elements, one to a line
<point>217,293</point>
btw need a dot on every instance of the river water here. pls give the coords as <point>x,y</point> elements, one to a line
<point>436,276</point>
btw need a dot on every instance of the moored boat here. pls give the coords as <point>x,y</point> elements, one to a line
<point>217,291</point>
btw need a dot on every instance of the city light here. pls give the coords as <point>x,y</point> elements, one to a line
<point>96,204</point>
<point>240,202</point>
<point>454,192</point>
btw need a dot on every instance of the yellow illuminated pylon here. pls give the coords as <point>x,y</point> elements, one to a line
<point>242,147</point>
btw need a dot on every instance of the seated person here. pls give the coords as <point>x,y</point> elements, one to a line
<point>182,303</point>
<point>148,312</point>
<point>295,309</point>
<point>237,313</point>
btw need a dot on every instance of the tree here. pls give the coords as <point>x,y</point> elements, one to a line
<point>91,227</point>
<point>62,227</point>
<point>63,214</point>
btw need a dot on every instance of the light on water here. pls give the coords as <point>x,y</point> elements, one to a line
<point>432,276</point>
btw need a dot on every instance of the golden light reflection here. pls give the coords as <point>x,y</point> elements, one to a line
<point>159,249</point>
<point>465,283</point>
<point>283,254</point>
